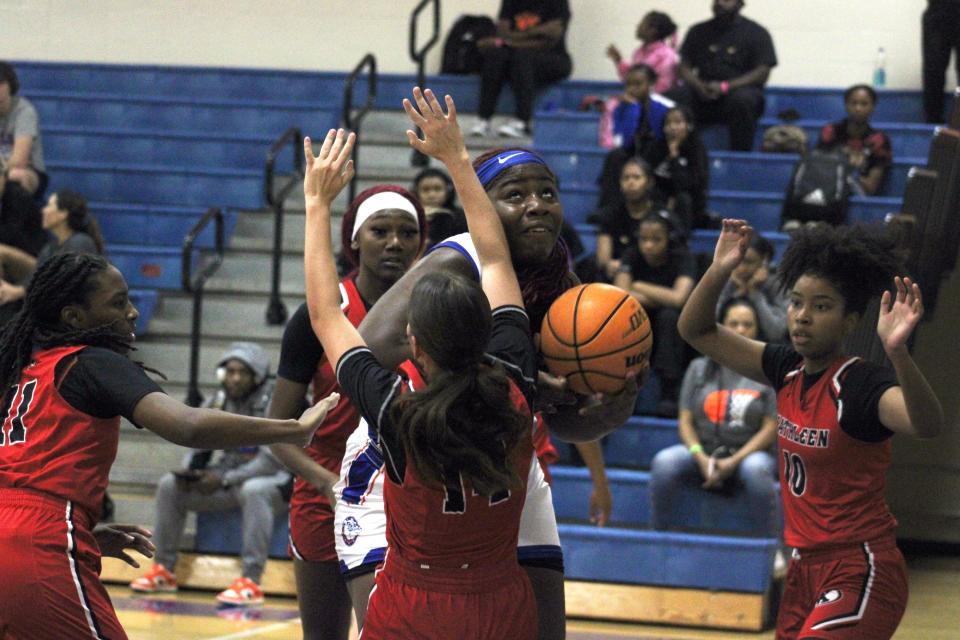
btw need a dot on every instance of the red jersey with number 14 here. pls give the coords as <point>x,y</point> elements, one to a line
<point>832,483</point>
<point>455,527</point>
<point>49,446</point>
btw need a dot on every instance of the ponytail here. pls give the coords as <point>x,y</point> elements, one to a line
<point>465,421</point>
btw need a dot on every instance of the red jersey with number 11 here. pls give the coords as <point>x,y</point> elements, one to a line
<point>49,446</point>
<point>832,483</point>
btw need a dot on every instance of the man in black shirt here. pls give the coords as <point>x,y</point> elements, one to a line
<point>724,63</point>
<point>941,36</point>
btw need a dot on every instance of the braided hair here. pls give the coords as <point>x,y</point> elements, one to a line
<point>65,279</point>
<point>540,284</point>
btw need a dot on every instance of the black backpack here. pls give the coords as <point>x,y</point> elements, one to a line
<point>460,52</point>
<point>819,189</point>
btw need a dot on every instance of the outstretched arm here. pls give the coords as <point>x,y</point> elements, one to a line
<point>912,408</point>
<point>698,324</point>
<point>444,141</point>
<point>326,175</point>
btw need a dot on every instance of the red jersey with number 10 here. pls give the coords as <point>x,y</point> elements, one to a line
<point>454,527</point>
<point>832,484</point>
<point>49,446</point>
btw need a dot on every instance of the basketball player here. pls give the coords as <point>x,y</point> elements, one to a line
<point>382,233</point>
<point>457,449</point>
<point>63,361</point>
<point>836,415</point>
<point>525,195</point>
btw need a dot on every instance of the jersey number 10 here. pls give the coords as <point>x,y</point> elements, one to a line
<point>21,399</point>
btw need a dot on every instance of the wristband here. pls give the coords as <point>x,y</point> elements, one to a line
<point>724,87</point>
<point>695,449</point>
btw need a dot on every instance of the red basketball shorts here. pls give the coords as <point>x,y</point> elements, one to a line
<point>491,604</point>
<point>311,531</point>
<point>853,592</point>
<point>50,585</point>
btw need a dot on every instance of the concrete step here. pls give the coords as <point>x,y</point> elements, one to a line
<point>171,356</point>
<point>254,230</point>
<point>224,315</point>
<point>245,272</point>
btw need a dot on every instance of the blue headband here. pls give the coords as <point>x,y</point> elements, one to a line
<point>491,168</point>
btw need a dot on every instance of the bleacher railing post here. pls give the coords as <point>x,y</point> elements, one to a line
<point>419,56</point>
<point>276,310</point>
<point>352,121</point>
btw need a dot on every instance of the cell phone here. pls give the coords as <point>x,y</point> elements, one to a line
<point>188,475</point>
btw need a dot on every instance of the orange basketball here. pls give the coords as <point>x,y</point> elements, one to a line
<point>594,335</point>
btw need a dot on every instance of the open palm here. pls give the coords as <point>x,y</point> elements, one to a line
<point>899,315</point>
<point>732,244</point>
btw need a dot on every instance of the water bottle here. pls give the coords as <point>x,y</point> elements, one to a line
<point>880,71</point>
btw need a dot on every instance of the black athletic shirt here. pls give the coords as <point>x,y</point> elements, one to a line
<point>863,384</point>
<point>103,383</point>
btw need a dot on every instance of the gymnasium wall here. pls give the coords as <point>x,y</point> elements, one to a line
<point>819,42</point>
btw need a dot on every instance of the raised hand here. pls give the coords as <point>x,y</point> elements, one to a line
<point>732,244</point>
<point>331,170</point>
<point>442,138</point>
<point>899,315</point>
<point>313,417</point>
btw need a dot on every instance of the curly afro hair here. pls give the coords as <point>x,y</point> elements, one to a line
<point>858,260</point>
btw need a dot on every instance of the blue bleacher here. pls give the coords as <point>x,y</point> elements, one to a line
<point>154,225</point>
<point>692,509</point>
<point>221,532</point>
<point>667,559</point>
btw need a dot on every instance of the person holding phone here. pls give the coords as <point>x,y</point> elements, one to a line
<point>755,280</point>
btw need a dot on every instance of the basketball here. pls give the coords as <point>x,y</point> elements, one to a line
<point>594,335</point>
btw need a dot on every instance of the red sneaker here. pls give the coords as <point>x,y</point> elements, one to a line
<point>156,580</point>
<point>242,592</point>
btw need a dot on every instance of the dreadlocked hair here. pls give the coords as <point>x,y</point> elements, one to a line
<point>859,261</point>
<point>540,284</point>
<point>64,279</point>
<point>464,421</point>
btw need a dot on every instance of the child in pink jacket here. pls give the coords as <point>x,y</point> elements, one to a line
<point>657,32</point>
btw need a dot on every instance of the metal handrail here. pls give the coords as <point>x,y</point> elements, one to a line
<point>419,56</point>
<point>353,121</point>
<point>276,310</point>
<point>194,283</point>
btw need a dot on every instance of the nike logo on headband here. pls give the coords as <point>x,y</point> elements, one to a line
<point>503,159</point>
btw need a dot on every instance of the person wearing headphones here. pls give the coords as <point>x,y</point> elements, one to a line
<point>660,272</point>
<point>248,478</point>
<point>21,151</point>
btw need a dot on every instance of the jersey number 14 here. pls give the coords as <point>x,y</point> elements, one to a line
<point>14,430</point>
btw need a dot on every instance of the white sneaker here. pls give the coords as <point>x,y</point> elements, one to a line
<point>513,129</point>
<point>779,564</point>
<point>481,128</point>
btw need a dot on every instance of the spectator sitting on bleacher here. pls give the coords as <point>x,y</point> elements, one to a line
<point>727,425</point>
<point>724,64</point>
<point>620,220</point>
<point>529,52</point>
<point>249,479</point>
<point>21,151</point>
<point>681,168</point>
<point>657,51</point>
<point>71,228</point>
<point>868,150</point>
<point>434,189</point>
<point>753,280</point>
<point>20,225</point>
<point>659,272</point>
<point>634,119</point>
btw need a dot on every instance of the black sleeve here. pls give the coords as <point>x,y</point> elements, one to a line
<point>301,351</point>
<point>763,52</point>
<point>778,361</point>
<point>103,383</point>
<point>372,389</point>
<point>507,11</point>
<point>692,46</point>
<point>687,266</point>
<point>861,387</point>
<point>512,344</point>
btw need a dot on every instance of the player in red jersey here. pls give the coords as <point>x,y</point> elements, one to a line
<point>836,415</point>
<point>63,361</point>
<point>382,233</point>
<point>458,450</point>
